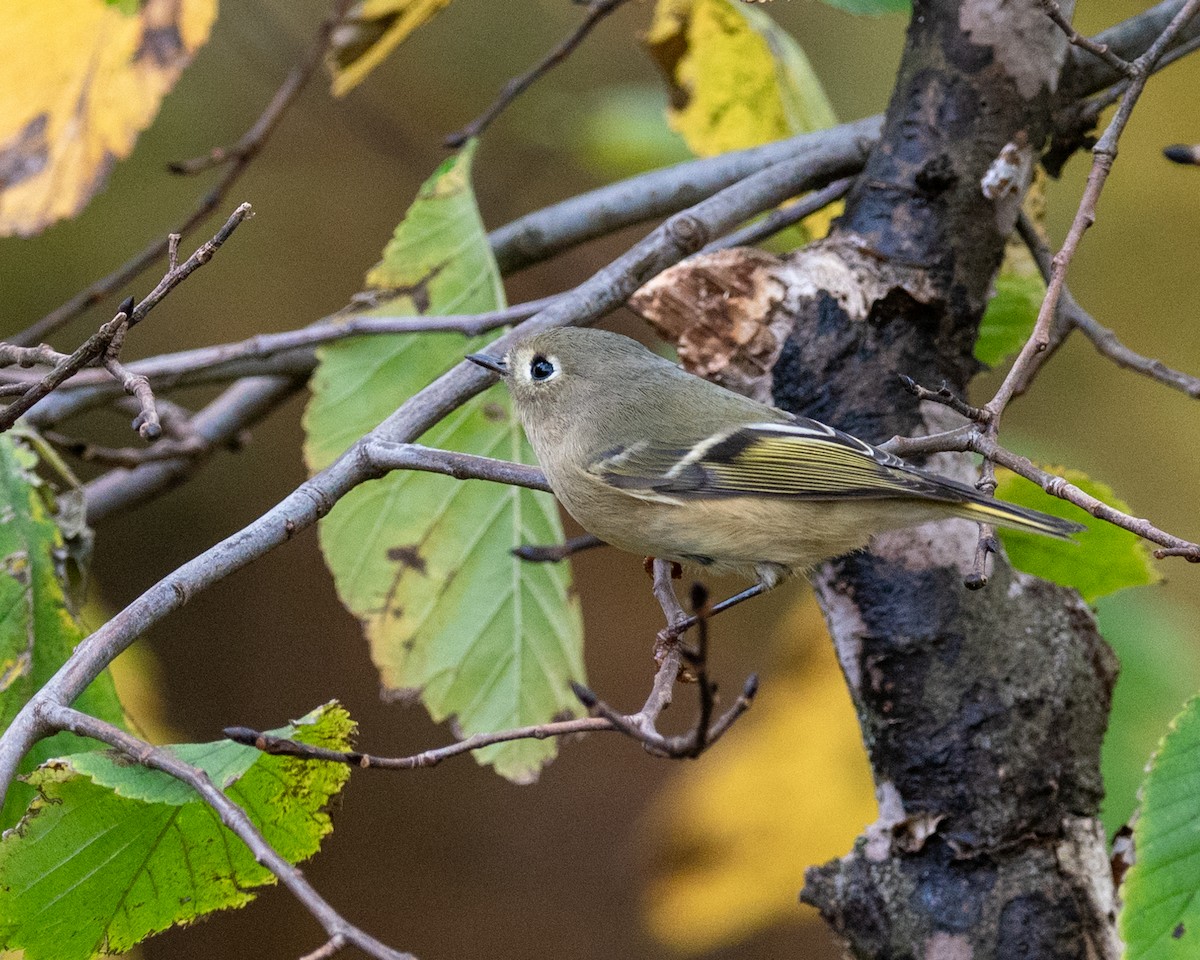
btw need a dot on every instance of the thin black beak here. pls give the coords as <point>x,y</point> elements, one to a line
<point>495,364</point>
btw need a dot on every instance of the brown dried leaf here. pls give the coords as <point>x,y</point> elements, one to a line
<point>726,312</point>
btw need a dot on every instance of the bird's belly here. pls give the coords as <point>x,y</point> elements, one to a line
<point>739,535</point>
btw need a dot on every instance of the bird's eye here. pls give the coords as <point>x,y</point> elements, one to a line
<point>540,368</point>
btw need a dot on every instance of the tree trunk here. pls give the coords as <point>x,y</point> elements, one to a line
<point>982,711</point>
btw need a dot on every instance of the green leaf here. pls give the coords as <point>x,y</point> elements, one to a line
<point>737,79</point>
<point>1160,919</point>
<point>112,852</point>
<point>1009,317</point>
<point>424,561</point>
<point>37,629</point>
<point>1102,559</point>
<point>871,7</point>
<point>1160,669</point>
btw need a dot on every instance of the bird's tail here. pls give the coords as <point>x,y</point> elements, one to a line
<point>1002,514</point>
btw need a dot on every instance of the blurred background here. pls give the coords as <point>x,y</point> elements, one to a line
<point>591,861</point>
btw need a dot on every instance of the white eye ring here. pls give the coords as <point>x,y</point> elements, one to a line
<point>542,368</point>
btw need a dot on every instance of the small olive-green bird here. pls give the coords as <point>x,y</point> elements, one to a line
<point>661,463</point>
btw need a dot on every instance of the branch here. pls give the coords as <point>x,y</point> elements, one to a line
<point>679,236</point>
<point>1101,50</point>
<point>597,10</point>
<point>248,148</point>
<point>784,217</point>
<point>659,193</point>
<point>1071,316</point>
<point>1129,40</point>
<point>640,726</point>
<point>218,425</point>
<point>974,438</point>
<point>288,352</point>
<point>106,342</point>
<point>59,717</point>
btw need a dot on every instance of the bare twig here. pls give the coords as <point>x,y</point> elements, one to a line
<point>128,457</point>
<point>596,11</point>
<point>1101,50</point>
<point>945,396</point>
<point>61,717</point>
<point>1059,487</point>
<point>640,726</point>
<point>146,423</point>
<point>1071,316</point>
<point>249,146</point>
<point>556,552</point>
<point>784,217</point>
<point>106,342</point>
<point>229,360</point>
<point>221,424</point>
<point>41,355</point>
<point>88,351</point>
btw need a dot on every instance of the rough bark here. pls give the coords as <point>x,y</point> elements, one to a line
<point>982,711</point>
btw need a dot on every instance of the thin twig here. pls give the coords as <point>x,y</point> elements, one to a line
<point>640,726</point>
<point>1059,487</point>
<point>945,396</point>
<point>89,350</point>
<point>229,360</point>
<point>146,423</point>
<point>41,355</point>
<point>107,341</point>
<point>127,457</point>
<point>222,424</point>
<point>252,142</point>
<point>1072,316</point>
<point>61,717</point>
<point>1101,50</point>
<point>783,217</point>
<point>596,11</point>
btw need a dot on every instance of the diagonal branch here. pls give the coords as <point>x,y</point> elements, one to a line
<point>679,236</point>
<point>106,342</point>
<point>596,11</point>
<point>59,717</point>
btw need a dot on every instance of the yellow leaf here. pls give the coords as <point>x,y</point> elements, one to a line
<point>737,80</point>
<point>789,787</point>
<point>373,30</point>
<point>79,80</point>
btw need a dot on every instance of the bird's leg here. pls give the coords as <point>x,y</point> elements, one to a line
<point>747,594</point>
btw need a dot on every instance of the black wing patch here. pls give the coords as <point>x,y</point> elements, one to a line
<point>803,459</point>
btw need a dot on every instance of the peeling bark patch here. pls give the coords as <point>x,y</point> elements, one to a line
<point>1035,926</point>
<point>1025,45</point>
<point>723,312</point>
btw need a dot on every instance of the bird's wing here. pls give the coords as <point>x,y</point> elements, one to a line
<point>799,459</point>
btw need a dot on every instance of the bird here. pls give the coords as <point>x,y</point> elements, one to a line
<point>656,461</point>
